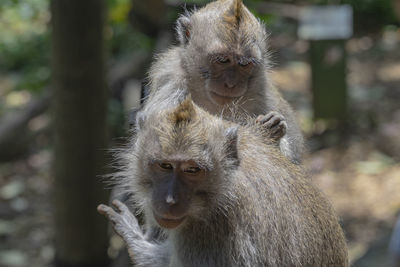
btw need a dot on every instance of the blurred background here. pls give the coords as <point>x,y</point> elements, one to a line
<point>71,70</point>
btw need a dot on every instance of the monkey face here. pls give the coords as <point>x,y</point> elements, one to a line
<point>229,77</point>
<point>175,183</point>
<point>181,156</point>
<point>222,45</point>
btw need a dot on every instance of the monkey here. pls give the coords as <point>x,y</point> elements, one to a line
<point>223,195</point>
<point>222,60</point>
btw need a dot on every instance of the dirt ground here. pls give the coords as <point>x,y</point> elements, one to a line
<point>358,170</point>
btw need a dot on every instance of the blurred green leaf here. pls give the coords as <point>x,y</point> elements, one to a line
<point>24,46</point>
<point>119,10</point>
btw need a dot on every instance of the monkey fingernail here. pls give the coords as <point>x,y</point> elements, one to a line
<point>101,209</point>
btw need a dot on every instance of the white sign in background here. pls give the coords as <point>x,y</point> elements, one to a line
<point>326,22</point>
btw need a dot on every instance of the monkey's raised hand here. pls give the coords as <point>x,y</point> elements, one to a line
<point>125,225</point>
<point>123,221</point>
<point>273,124</point>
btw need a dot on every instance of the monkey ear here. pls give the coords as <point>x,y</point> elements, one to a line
<point>231,135</point>
<point>183,25</point>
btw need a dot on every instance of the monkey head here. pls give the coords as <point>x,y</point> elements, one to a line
<point>225,47</point>
<point>181,163</point>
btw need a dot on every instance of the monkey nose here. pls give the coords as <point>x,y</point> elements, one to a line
<point>170,200</point>
<point>230,84</point>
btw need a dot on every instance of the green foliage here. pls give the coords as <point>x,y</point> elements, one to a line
<point>24,46</point>
<point>121,38</point>
<point>25,39</point>
<point>118,10</point>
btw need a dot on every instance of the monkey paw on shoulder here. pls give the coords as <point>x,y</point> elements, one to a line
<point>273,124</point>
<point>124,222</point>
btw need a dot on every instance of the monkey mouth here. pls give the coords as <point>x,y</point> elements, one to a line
<point>168,222</point>
<point>223,99</point>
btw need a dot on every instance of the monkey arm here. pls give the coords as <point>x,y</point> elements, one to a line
<point>292,142</point>
<point>274,127</point>
<point>141,251</point>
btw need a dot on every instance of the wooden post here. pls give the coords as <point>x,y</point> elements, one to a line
<point>80,130</point>
<point>329,87</point>
<point>327,28</point>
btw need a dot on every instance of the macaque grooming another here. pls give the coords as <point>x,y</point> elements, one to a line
<point>222,61</point>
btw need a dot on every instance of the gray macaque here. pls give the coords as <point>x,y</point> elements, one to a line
<point>223,195</point>
<point>222,61</point>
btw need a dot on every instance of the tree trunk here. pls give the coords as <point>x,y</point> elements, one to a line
<point>79,109</point>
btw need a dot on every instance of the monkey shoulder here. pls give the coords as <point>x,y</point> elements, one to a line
<point>168,61</point>
<point>166,73</point>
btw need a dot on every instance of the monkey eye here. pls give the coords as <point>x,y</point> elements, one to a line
<point>223,60</point>
<point>192,170</point>
<point>165,166</point>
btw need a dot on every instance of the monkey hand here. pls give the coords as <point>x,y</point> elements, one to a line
<point>124,222</point>
<point>273,124</point>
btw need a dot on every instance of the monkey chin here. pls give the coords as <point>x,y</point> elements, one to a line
<point>167,222</point>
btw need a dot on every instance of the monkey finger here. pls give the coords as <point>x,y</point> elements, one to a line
<point>102,209</point>
<point>272,118</point>
<point>264,118</point>
<point>278,131</point>
<point>259,118</point>
<point>121,207</point>
<point>279,127</point>
<point>273,122</point>
<point>270,115</point>
<point>106,211</point>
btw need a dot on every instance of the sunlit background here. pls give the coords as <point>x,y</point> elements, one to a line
<point>353,158</point>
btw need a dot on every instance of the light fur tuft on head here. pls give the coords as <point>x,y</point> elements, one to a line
<point>238,8</point>
<point>235,13</point>
<point>184,112</point>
